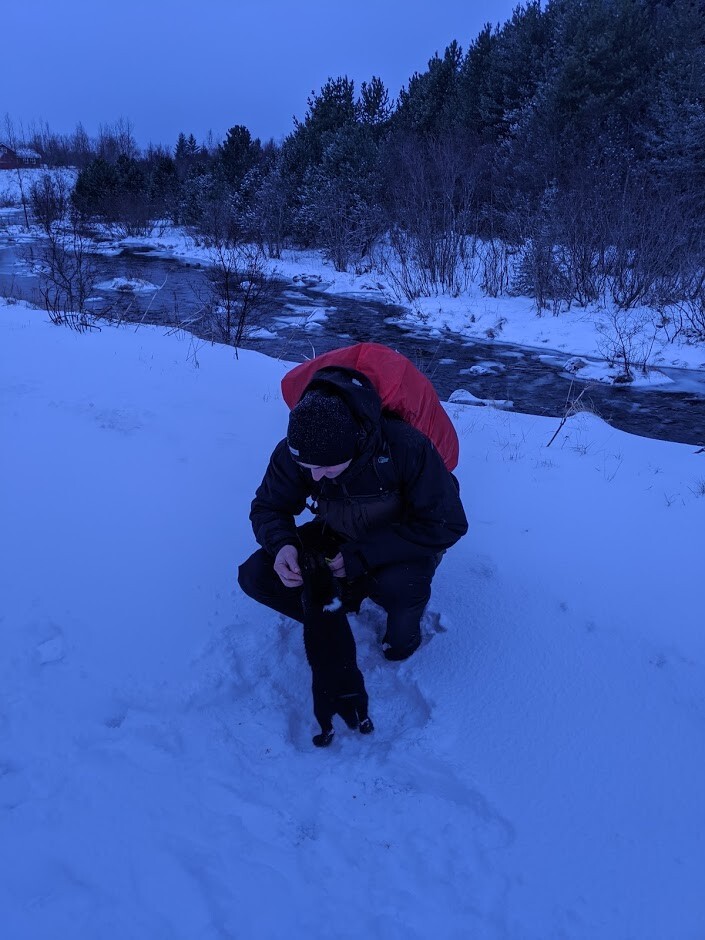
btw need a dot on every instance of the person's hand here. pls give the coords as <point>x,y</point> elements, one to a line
<point>337,566</point>
<point>286,565</point>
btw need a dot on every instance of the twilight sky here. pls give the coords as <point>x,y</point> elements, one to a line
<point>209,64</point>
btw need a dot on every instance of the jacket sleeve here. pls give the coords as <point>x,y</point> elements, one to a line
<point>280,496</point>
<point>433,517</point>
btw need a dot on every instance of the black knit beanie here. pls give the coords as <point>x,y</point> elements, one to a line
<point>322,430</point>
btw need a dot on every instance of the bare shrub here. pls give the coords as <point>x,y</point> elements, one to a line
<point>346,226</point>
<point>649,243</point>
<point>495,268</point>
<point>581,212</point>
<point>67,277</point>
<point>698,488</point>
<point>626,340</point>
<point>238,287</point>
<point>394,262</point>
<point>49,198</point>
<point>425,266</point>
<point>578,259</point>
<point>690,305</point>
<point>573,406</point>
<point>632,280</point>
<point>14,139</point>
<point>431,248</point>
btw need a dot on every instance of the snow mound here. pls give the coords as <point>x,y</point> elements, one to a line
<point>129,285</point>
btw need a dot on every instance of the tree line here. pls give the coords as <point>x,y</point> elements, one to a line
<point>561,154</point>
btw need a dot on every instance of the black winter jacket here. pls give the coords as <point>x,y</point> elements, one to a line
<point>395,502</point>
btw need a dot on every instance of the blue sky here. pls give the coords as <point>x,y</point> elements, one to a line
<point>209,64</point>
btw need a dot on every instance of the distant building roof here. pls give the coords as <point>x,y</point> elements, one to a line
<point>25,153</point>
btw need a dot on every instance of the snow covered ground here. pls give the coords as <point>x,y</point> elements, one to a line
<point>537,768</point>
<point>12,183</point>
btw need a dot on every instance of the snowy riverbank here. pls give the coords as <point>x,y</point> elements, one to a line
<point>579,332</point>
<point>583,334</point>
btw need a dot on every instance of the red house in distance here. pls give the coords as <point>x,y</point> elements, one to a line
<point>22,157</point>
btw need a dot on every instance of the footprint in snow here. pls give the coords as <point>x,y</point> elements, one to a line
<point>14,787</point>
<point>52,650</point>
<point>269,671</point>
<point>122,421</point>
<point>397,704</point>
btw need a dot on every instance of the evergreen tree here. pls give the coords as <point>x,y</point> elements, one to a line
<point>164,188</point>
<point>328,111</point>
<point>238,154</point>
<point>429,103</point>
<point>95,189</point>
<point>268,217</point>
<point>340,198</point>
<point>180,150</point>
<point>472,111</point>
<point>373,107</point>
<point>600,77</point>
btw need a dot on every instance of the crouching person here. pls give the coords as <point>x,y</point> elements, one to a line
<point>385,508</point>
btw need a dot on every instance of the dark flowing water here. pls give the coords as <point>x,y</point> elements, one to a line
<point>530,378</point>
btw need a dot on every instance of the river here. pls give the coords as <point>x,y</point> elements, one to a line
<point>531,379</point>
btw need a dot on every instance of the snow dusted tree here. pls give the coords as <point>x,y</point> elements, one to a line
<point>238,154</point>
<point>341,196</point>
<point>373,107</point>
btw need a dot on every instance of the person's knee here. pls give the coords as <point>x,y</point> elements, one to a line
<point>250,575</point>
<point>403,591</point>
<point>402,587</point>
